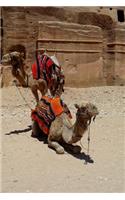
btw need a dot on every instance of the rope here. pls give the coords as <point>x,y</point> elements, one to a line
<point>22,96</point>
<point>88,140</point>
<point>88,145</point>
<point>87,149</point>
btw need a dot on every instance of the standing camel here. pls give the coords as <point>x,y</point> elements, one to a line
<point>46,73</point>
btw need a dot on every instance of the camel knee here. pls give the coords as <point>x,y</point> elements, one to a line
<point>34,89</point>
<point>38,85</point>
<point>42,86</point>
<point>55,145</point>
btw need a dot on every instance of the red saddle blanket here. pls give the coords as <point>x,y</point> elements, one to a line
<point>44,67</point>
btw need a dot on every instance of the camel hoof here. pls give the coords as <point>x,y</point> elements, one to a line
<point>60,150</point>
<point>77,149</point>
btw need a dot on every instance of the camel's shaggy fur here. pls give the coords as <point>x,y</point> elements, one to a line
<point>63,131</point>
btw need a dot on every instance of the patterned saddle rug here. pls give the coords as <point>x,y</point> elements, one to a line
<point>47,110</point>
<point>45,68</point>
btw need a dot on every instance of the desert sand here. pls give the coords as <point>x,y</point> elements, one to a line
<point>28,165</point>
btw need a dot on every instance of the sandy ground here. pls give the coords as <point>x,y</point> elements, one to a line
<point>28,165</point>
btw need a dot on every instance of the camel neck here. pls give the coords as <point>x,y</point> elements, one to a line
<point>78,130</point>
<point>80,127</point>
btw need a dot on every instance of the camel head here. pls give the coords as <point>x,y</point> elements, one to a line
<point>6,59</point>
<point>14,58</point>
<point>86,111</point>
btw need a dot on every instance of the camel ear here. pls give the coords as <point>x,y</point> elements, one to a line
<point>76,106</point>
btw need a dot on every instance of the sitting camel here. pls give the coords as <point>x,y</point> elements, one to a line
<point>62,131</point>
<point>46,73</point>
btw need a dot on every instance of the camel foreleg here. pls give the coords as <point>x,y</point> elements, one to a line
<point>55,145</point>
<point>38,85</point>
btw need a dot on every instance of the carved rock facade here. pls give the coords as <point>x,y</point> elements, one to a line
<point>89,42</point>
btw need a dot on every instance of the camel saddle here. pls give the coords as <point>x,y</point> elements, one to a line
<point>47,110</point>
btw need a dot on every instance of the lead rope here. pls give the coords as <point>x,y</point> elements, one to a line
<point>86,161</point>
<point>22,96</point>
<point>88,139</point>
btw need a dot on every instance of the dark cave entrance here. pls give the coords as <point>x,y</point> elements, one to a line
<point>120,15</point>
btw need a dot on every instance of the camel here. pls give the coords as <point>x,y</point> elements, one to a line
<point>62,132</point>
<point>55,86</point>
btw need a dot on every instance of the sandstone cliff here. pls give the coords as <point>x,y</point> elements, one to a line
<point>99,59</point>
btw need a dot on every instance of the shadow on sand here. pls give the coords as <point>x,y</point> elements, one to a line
<point>82,156</point>
<point>43,138</point>
<point>20,131</point>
